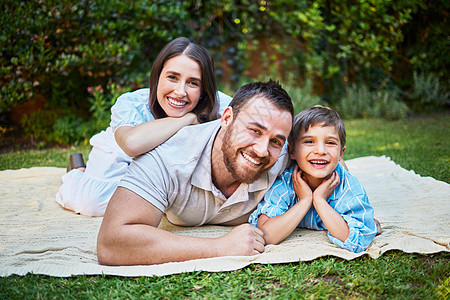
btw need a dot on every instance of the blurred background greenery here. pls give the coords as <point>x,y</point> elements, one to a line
<point>63,63</point>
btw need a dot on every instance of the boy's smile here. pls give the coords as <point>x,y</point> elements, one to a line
<point>317,152</point>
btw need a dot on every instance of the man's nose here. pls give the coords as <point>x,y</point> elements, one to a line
<point>261,147</point>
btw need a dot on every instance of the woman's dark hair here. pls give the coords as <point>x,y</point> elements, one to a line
<point>207,108</point>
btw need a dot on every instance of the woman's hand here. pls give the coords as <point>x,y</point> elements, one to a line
<point>192,118</point>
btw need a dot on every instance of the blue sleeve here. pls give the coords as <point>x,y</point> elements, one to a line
<point>356,210</point>
<point>131,109</point>
<point>277,200</point>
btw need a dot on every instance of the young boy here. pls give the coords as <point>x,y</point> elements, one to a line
<point>315,191</point>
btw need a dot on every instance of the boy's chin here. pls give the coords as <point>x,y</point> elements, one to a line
<point>321,175</point>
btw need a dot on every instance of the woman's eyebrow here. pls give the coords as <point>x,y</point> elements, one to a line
<point>179,74</point>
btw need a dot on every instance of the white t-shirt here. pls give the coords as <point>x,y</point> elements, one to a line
<point>176,178</point>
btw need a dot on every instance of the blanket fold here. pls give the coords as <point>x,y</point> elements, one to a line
<point>39,236</point>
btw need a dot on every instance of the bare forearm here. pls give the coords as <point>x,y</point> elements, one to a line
<point>139,244</point>
<point>146,136</point>
<point>335,224</point>
<point>278,228</point>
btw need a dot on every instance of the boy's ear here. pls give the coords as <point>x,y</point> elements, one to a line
<point>342,153</point>
<point>227,117</point>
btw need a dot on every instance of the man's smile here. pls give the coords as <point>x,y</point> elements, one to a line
<point>250,159</point>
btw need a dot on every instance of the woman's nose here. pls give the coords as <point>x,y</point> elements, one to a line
<point>180,91</point>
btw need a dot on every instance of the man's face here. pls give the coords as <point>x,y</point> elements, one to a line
<point>254,138</point>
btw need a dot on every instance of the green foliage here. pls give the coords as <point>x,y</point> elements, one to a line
<point>59,49</point>
<point>427,94</point>
<point>68,128</point>
<point>360,102</point>
<point>303,97</point>
<point>39,124</point>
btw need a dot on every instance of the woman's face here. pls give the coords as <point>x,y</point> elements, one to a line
<point>179,86</point>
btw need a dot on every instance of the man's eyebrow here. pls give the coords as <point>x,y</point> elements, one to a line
<point>257,124</point>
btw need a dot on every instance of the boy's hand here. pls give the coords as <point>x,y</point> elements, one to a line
<point>326,188</point>
<point>301,187</point>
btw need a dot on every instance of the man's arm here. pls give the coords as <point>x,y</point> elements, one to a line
<point>129,236</point>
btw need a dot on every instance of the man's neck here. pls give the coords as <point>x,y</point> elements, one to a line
<point>221,178</point>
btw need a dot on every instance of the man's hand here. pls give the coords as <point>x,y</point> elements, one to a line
<point>245,239</point>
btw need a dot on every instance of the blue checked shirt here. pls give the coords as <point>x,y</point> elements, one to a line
<point>349,199</point>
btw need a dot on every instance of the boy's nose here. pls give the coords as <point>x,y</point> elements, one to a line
<point>320,148</point>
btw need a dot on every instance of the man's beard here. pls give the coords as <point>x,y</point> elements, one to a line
<point>230,159</point>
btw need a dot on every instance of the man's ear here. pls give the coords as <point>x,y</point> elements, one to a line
<point>290,151</point>
<point>227,117</point>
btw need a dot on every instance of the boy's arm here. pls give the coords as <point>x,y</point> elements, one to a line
<point>277,228</point>
<point>335,224</point>
<point>358,213</point>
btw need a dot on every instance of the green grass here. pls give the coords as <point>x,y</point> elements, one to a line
<point>420,144</point>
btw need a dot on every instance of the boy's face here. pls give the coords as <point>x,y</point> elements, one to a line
<point>318,151</point>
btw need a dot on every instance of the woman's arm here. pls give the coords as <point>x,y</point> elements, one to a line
<point>146,136</point>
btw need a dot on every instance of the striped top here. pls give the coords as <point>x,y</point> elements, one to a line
<point>349,199</point>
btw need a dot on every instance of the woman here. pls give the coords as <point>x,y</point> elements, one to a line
<point>182,91</point>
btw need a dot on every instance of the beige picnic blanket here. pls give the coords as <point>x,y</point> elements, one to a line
<point>39,236</point>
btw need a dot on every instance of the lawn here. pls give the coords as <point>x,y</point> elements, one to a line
<point>421,144</point>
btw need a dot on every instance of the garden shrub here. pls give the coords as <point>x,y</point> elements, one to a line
<point>302,97</point>
<point>360,102</point>
<point>39,124</point>
<point>427,94</point>
<point>57,49</point>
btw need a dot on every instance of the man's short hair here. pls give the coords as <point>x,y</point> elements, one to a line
<point>270,90</point>
<point>313,116</point>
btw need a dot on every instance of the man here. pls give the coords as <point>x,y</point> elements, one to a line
<point>213,173</point>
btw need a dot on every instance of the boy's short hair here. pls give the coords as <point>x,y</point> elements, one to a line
<point>313,116</point>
